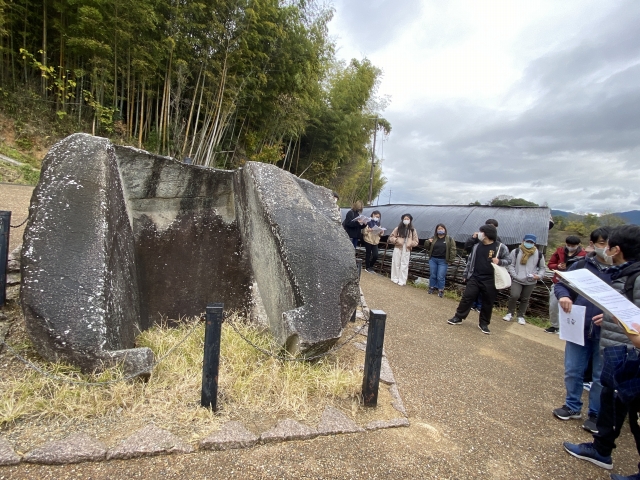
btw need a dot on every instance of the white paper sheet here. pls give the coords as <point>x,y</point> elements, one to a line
<point>605,297</point>
<point>377,229</point>
<point>572,324</point>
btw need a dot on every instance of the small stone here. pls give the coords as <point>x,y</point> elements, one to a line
<point>13,292</point>
<point>150,440</point>
<point>288,429</point>
<point>7,455</point>
<point>396,422</point>
<point>231,435</point>
<point>13,278</point>
<point>333,421</point>
<point>386,374</point>
<point>364,330</point>
<point>397,402</point>
<point>361,346</point>
<point>76,448</point>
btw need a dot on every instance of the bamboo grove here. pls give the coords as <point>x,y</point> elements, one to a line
<point>218,81</point>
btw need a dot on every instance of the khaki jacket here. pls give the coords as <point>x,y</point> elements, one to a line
<point>450,256</point>
<point>370,237</point>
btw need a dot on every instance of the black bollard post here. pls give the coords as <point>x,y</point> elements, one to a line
<point>5,226</point>
<point>359,265</point>
<point>373,358</point>
<point>211,360</point>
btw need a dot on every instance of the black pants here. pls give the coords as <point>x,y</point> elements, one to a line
<point>486,288</point>
<point>610,419</point>
<point>371,255</point>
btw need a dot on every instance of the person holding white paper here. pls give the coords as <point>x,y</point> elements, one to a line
<point>623,250</point>
<point>576,357</point>
<point>353,226</point>
<point>371,239</point>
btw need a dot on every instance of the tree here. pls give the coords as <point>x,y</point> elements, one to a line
<point>509,201</point>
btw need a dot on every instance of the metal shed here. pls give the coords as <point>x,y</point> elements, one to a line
<point>463,220</point>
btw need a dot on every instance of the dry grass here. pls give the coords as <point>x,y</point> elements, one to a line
<point>253,388</point>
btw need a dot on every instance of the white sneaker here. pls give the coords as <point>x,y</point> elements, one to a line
<point>507,317</point>
<point>521,321</point>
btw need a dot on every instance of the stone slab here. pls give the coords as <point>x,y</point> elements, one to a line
<point>76,448</point>
<point>361,346</point>
<point>395,422</point>
<point>364,330</point>
<point>7,455</point>
<point>231,435</point>
<point>397,402</point>
<point>333,421</point>
<point>288,429</point>
<point>386,374</point>
<point>150,440</point>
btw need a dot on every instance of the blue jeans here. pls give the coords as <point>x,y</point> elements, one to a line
<point>437,272</point>
<point>576,360</point>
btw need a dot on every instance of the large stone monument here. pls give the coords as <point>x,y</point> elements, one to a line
<point>119,238</point>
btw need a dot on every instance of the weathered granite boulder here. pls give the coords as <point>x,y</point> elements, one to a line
<point>301,259</point>
<point>118,237</point>
<point>80,291</point>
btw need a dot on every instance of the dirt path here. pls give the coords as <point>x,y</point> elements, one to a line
<point>15,198</point>
<point>480,407</point>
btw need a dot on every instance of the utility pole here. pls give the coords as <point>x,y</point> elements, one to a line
<point>373,162</point>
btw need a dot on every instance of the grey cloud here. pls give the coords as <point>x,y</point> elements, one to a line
<point>585,119</point>
<point>373,22</point>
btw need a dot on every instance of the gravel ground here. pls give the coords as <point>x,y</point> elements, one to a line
<point>15,198</point>
<point>480,407</point>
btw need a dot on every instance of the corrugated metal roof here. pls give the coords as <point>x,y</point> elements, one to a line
<point>463,220</point>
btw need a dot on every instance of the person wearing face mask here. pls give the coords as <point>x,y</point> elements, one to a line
<point>404,237</point>
<point>526,268</point>
<point>371,241</point>
<point>623,250</point>
<point>442,253</point>
<point>468,246</point>
<point>577,357</point>
<point>480,277</point>
<point>562,259</point>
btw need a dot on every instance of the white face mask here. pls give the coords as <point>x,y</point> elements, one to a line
<point>375,219</point>
<point>406,222</point>
<point>600,253</point>
<point>481,236</point>
<point>608,258</point>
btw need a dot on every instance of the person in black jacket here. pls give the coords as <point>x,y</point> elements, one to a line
<point>468,246</point>
<point>351,225</point>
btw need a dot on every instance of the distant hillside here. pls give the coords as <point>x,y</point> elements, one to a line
<point>632,216</point>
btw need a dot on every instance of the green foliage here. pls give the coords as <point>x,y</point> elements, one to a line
<point>221,81</point>
<point>508,201</point>
<point>29,175</point>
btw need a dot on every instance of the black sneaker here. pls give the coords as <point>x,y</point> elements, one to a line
<point>370,270</point>
<point>590,424</point>
<point>565,413</point>
<point>431,290</point>
<point>484,329</point>
<point>475,309</point>
<point>551,330</point>
<point>454,321</point>
<point>441,293</point>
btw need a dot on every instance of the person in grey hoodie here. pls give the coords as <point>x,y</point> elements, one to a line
<point>526,268</point>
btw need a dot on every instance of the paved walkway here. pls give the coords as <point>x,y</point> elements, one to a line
<point>480,407</point>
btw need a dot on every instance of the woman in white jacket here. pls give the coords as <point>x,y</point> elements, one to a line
<point>526,268</point>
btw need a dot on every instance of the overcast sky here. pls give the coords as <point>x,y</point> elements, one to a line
<point>539,100</point>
